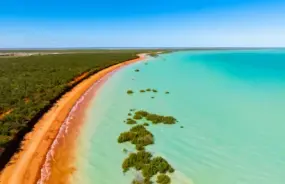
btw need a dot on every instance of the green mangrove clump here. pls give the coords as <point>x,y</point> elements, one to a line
<point>143,161</point>
<point>136,160</point>
<point>155,118</point>
<point>145,124</point>
<point>137,135</point>
<point>131,121</point>
<point>130,92</point>
<point>125,137</point>
<point>163,179</point>
<point>125,150</point>
<point>148,89</point>
<point>137,116</point>
<point>142,91</point>
<point>154,90</point>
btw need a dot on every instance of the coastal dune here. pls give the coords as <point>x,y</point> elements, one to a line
<point>25,166</point>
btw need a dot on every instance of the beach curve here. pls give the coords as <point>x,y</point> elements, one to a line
<point>25,165</point>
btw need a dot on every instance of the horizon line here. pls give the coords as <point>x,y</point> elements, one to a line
<point>130,48</point>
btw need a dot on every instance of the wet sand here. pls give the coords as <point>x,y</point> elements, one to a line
<point>25,166</point>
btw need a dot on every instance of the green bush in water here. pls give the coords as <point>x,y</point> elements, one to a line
<point>131,121</point>
<point>130,92</point>
<point>137,116</point>
<point>145,124</point>
<point>136,160</point>
<point>163,179</point>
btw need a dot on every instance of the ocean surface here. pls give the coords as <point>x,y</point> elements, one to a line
<point>230,103</point>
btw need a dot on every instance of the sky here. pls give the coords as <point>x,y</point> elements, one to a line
<point>148,23</point>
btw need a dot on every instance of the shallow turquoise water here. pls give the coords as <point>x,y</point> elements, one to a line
<point>231,104</point>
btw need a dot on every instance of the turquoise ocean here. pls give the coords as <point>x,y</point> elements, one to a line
<point>230,103</point>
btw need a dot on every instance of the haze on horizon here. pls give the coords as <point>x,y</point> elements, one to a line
<point>172,23</point>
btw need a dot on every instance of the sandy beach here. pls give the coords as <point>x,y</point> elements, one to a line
<point>25,166</point>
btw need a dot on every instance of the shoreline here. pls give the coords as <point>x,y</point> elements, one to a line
<point>59,164</point>
<point>25,166</point>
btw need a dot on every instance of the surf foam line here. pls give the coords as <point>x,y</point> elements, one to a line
<point>46,168</point>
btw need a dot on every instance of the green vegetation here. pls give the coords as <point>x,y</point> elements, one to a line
<point>152,97</point>
<point>142,160</point>
<point>137,135</point>
<point>148,89</point>
<point>149,166</point>
<point>142,91</point>
<point>145,124</point>
<point>163,179</point>
<point>155,118</point>
<point>167,92</point>
<point>30,85</point>
<point>131,121</point>
<point>129,114</point>
<point>154,90</point>
<point>137,117</point>
<point>130,92</point>
<point>125,150</point>
<point>181,126</point>
<point>137,70</point>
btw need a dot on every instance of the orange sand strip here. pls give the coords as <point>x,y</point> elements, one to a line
<point>25,166</point>
<point>59,166</point>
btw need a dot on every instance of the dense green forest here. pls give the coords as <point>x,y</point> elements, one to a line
<point>30,85</point>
